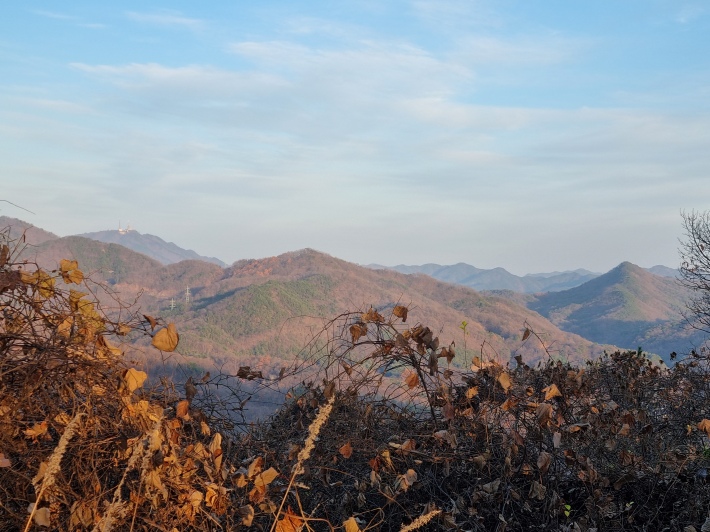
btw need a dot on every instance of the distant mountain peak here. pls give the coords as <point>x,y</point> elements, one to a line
<point>150,245</point>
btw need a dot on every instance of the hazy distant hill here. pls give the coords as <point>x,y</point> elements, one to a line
<point>497,278</point>
<point>628,306</point>
<point>33,235</point>
<point>150,245</point>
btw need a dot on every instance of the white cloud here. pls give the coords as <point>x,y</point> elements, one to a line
<point>52,14</point>
<point>168,18</point>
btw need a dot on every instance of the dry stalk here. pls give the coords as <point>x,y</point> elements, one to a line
<point>50,474</point>
<point>305,453</point>
<point>106,523</point>
<point>420,521</point>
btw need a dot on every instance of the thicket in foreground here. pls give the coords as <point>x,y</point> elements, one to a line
<point>384,433</point>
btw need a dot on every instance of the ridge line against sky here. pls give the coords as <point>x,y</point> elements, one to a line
<point>536,136</point>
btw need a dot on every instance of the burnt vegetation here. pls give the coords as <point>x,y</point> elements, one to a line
<point>381,428</point>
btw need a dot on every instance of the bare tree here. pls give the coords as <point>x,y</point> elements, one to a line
<point>695,267</point>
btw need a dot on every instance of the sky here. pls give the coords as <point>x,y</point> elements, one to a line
<point>534,135</point>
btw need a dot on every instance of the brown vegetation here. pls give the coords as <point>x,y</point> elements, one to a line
<point>383,433</point>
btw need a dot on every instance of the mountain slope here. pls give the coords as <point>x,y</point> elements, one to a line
<point>33,235</point>
<point>150,245</point>
<point>627,306</point>
<point>266,310</point>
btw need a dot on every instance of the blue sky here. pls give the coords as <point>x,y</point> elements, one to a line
<point>532,135</point>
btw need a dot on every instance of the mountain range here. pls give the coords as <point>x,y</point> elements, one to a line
<point>501,279</point>
<point>266,310</point>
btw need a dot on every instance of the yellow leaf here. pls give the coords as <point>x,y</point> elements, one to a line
<point>265,478</point>
<point>75,299</point>
<point>346,450</point>
<point>215,448</point>
<point>167,338</point>
<point>504,381</point>
<point>472,392</point>
<point>196,498</point>
<point>255,467</point>
<point>134,379</point>
<point>68,265</point>
<point>551,391</point>
<point>351,525</point>
<point>705,425</point>
<point>64,328</point>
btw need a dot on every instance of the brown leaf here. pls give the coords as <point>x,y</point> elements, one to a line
<point>705,425</point>
<point>346,450</point>
<point>543,413</point>
<point>290,523</point>
<point>357,331</point>
<point>37,430</point>
<point>4,462</point>
<point>448,411</point>
<point>544,460</point>
<point>167,338</point>
<point>472,392</point>
<point>372,316</point>
<point>537,491</point>
<point>4,255</point>
<point>182,409</point>
<point>526,334</point>
<point>245,372</point>
<point>329,390</point>
<point>412,380</point>
<point>400,312</point>
<point>151,320</point>
<point>247,514</point>
<point>551,391</point>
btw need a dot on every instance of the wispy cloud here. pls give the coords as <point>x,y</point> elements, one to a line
<point>167,18</point>
<point>689,13</point>
<point>52,14</point>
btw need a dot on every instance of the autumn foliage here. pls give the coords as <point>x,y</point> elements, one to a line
<point>386,430</point>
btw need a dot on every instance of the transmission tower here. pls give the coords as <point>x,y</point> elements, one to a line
<point>172,303</point>
<point>187,294</point>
